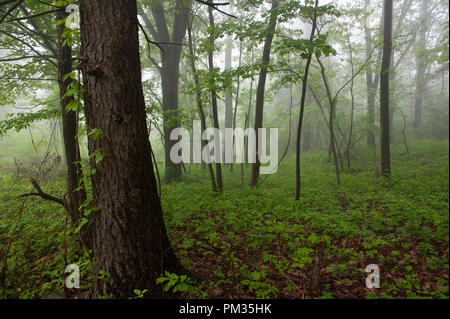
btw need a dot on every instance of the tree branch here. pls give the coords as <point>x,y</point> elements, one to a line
<point>42,194</point>
<point>10,9</point>
<point>33,15</point>
<point>214,6</point>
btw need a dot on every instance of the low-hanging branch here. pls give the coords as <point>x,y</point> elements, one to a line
<point>42,194</point>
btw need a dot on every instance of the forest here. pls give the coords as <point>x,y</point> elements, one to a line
<point>238,149</point>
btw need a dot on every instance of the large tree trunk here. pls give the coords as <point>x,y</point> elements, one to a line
<point>130,241</point>
<point>384,91</point>
<point>259,106</point>
<point>70,131</point>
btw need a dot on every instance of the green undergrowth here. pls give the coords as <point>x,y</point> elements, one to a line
<point>257,242</point>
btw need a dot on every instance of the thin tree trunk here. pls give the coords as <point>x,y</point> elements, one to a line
<point>371,82</point>
<point>421,66</point>
<point>228,65</point>
<point>307,135</point>
<point>170,52</point>
<point>77,195</point>
<point>236,104</point>
<point>302,107</point>
<point>131,246</point>
<point>199,102</point>
<point>249,112</point>
<point>384,91</point>
<point>259,107</point>
<point>332,116</point>
<point>405,142</point>
<point>214,101</point>
<point>350,129</point>
<point>406,6</point>
<point>392,106</point>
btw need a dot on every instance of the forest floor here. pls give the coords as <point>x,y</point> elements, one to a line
<point>259,242</point>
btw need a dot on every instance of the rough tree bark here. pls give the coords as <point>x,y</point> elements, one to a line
<point>131,245</point>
